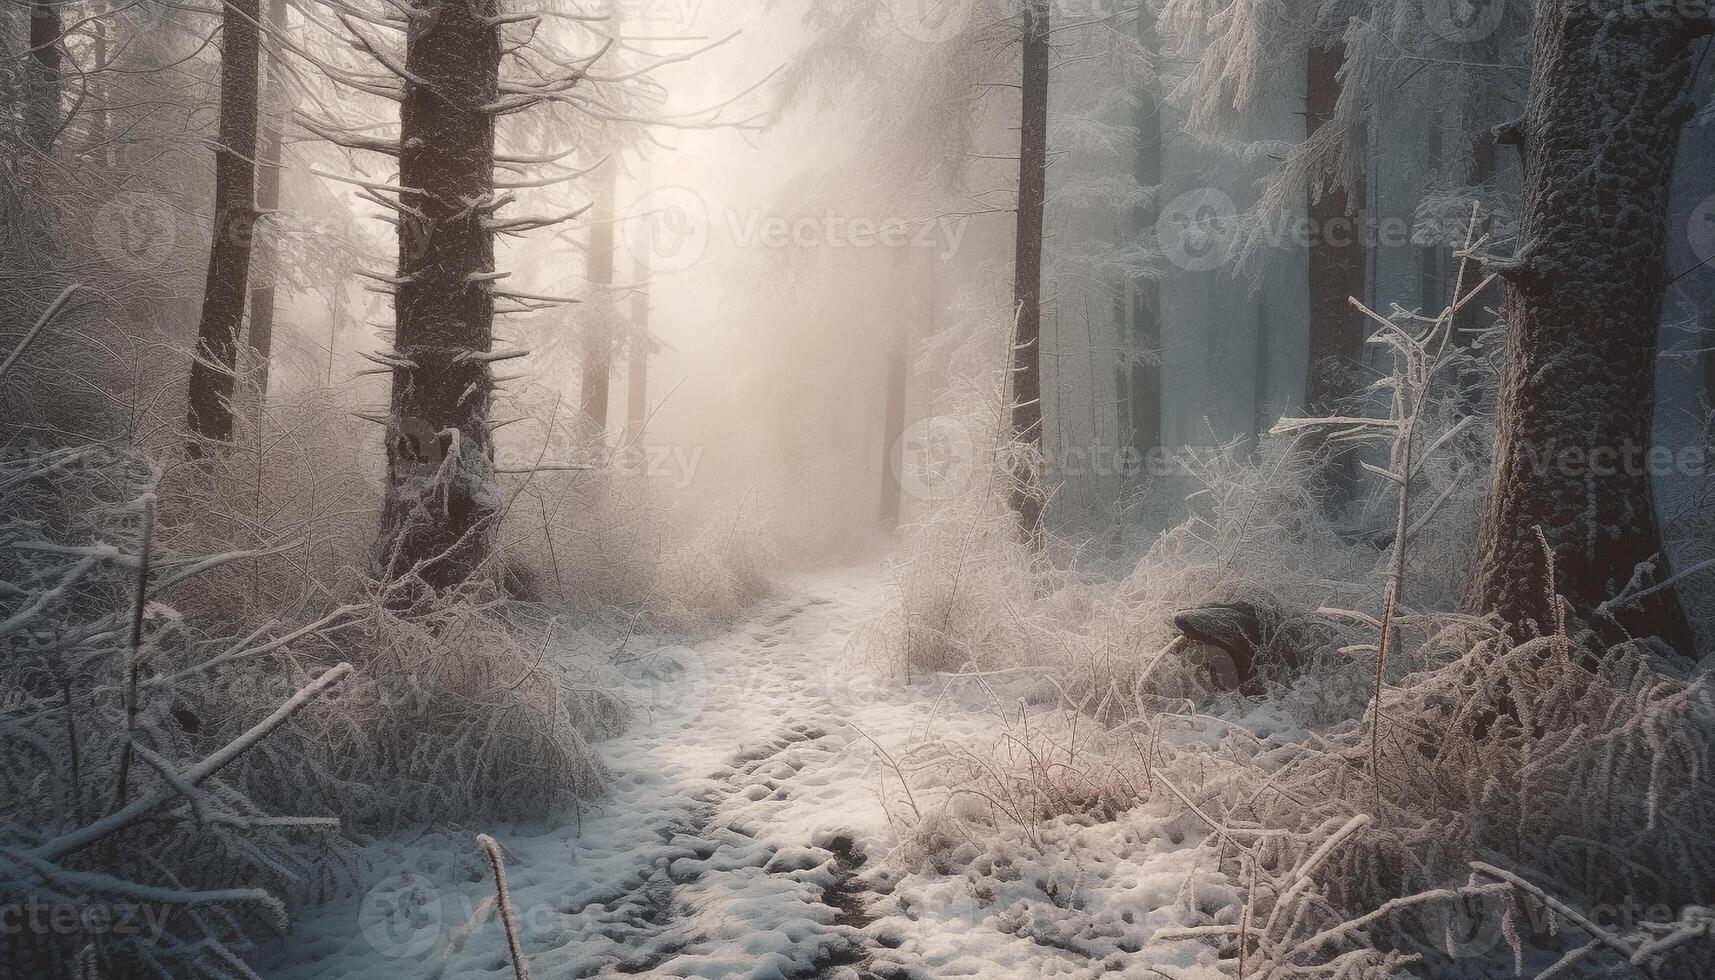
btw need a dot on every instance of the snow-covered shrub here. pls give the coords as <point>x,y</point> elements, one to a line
<point>626,537</point>
<point>1497,786</point>
<point>605,542</point>
<point>299,483</point>
<point>463,712</point>
<point>1521,796</point>
<point>126,773</point>
<point>469,708</point>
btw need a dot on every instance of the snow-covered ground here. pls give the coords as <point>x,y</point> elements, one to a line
<point>753,829</point>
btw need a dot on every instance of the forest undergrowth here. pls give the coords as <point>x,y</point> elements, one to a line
<point>1430,796</point>
<point>208,701</point>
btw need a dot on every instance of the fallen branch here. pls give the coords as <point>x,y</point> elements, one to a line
<point>503,901</point>
<point>1572,915</point>
<point>47,317</point>
<point>88,834</point>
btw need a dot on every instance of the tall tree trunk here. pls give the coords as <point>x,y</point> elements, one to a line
<point>1261,421</point>
<point>215,361</point>
<point>598,336</point>
<point>1026,489</point>
<point>42,107</point>
<point>101,88</point>
<point>1431,265</point>
<point>262,295</point>
<point>637,358</point>
<point>638,344</point>
<point>893,394</point>
<point>1472,318</point>
<point>438,517</point>
<point>1706,320</point>
<point>1142,294</point>
<point>1583,307</point>
<point>1336,252</point>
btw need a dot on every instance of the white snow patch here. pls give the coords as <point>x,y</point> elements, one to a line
<point>746,835</point>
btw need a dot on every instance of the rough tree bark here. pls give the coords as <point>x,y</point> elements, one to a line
<point>215,358</point>
<point>1142,296</point>
<point>438,517</point>
<point>1583,306</point>
<point>42,74</point>
<point>1337,253</point>
<point>1026,491</point>
<point>267,260</point>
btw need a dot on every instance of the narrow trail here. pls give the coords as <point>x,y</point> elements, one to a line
<point>736,839</point>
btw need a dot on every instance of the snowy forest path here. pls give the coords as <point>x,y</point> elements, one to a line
<point>746,801</point>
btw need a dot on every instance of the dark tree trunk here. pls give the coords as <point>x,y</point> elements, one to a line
<point>441,503</point>
<point>262,295</point>
<point>1026,490</point>
<point>1583,306</point>
<point>215,360</point>
<point>598,338</point>
<point>1142,294</point>
<point>42,107</point>
<point>101,89</point>
<point>1431,258</point>
<point>1337,253</point>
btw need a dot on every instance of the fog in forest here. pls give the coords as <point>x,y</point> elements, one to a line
<point>857,488</point>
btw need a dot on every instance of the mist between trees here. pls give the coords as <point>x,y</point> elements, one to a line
<point>1207,489</point>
